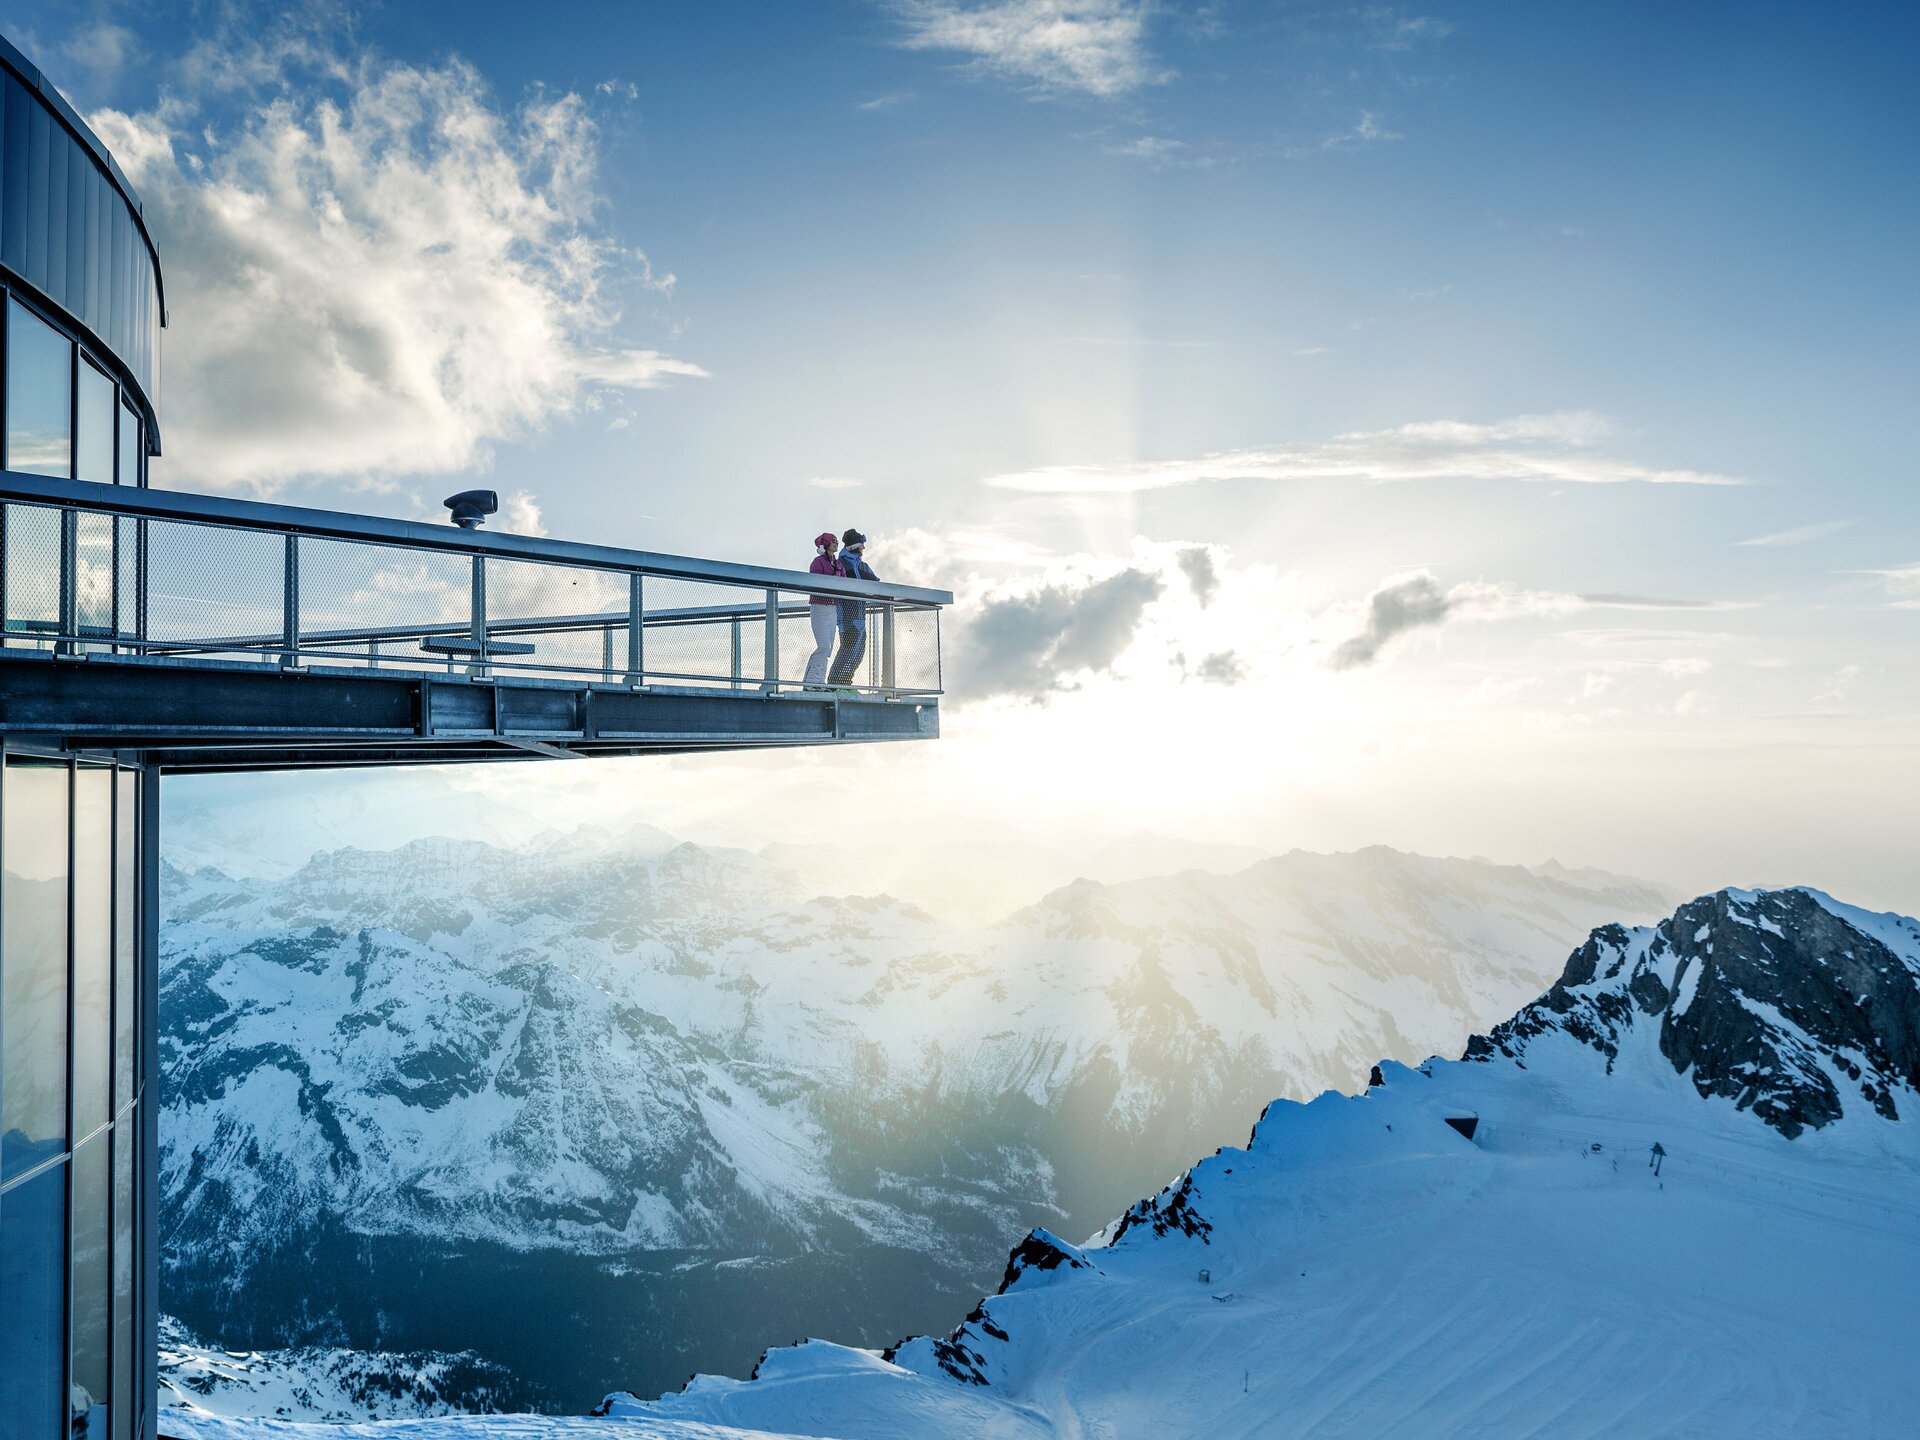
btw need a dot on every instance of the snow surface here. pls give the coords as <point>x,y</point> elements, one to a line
<point>311,1382</point>
<point>1372,1273</point>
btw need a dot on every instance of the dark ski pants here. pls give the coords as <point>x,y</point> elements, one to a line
<point>853,649</point>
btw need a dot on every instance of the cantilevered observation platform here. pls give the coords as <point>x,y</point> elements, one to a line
<point>144,632</point>
<point>214,634</point>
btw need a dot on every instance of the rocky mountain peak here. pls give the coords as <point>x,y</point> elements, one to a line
<point>1784,1001</point>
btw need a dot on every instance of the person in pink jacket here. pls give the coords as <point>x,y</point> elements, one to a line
<point>823,612</point>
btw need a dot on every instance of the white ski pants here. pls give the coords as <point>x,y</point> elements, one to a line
<point>825,622</point>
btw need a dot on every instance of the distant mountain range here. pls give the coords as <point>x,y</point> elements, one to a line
<point>601,1106</point>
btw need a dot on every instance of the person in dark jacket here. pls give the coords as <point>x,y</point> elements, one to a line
<point>853,613</point>
<point>823,611</point>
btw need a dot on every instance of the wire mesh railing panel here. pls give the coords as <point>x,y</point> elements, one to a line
<point>32,558</point>
<point>522,590</point>
<point>916,649</point>
<point>796,638</point>
<point>93,573</point>
<point>572,654</point>
<point>703,653</point>
<point>702,633</point>
<point>126,584</point>
<point>211,583</point>
<point>349,590</point>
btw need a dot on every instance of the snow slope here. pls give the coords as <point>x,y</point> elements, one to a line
<point>1362,1268</point>
<point>315,1382</point>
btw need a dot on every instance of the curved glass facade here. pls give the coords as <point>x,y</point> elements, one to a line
<point>72,1085</point>
<point>66,416</point>
<point>80,317</point>
<point>71,229</point>
<point>63,413</point>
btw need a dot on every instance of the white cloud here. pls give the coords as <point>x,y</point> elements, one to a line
<point>1550,449</point>
<point>1366,130</point>
<point>1799,535</point>
<point>1685,665</point>
<point>520,515</point>
<point>1095,47</point>
<point>835,482</point>
<point>104,47</point>
<point>1414,600</point>
<point>1837,683</point>
<point>372,270</point>
<point>1902,585</point>
<point>1402,603</point>
<point>1395,31</point>
<point>1034,640</point>
<point>1160,151</point>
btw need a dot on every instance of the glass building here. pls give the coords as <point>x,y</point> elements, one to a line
<point>145,632</point>
<point>80,322</point>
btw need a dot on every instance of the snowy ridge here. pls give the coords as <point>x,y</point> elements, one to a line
<point>316,1382</point>
<point>1364,1268</point>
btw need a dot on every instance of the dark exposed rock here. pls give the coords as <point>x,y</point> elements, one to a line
<point>1768,998</point>
<point>1172,1211</point>
<point>1041,1250</point>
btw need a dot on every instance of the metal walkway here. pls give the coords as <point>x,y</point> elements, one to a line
<point>218,634</point>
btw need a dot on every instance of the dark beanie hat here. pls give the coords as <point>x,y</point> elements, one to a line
<point>853,537</point>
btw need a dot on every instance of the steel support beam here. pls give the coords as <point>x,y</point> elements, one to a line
<point>226,716</point>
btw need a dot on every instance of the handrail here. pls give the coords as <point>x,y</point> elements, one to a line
<point>532,625</point>
<point>180,505</point>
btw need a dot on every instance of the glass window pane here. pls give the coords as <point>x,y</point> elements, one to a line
<point>33,1321</point>
<point>92,948</point>
<point>125,1138</point>
<point>129,446</point>
<point>39,386</point>
<point>126,975</point>
<point>93,441</point>
<point>92,1289</point>
<point>33,966</point>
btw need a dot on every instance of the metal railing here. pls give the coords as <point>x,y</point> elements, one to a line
<point>89,568</point>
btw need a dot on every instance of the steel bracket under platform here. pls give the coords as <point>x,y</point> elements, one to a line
<point>218,716</point>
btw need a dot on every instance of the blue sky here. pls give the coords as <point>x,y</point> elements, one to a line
<point>1481,342</point>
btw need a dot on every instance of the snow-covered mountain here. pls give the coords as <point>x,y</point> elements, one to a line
<point>414,1095</point>
<point>316,1383</point>
<point>1674,1196</point>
